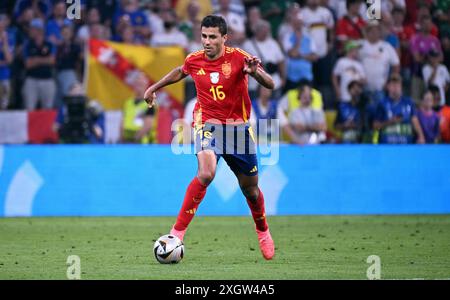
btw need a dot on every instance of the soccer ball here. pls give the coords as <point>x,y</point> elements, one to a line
<point>168,249</point>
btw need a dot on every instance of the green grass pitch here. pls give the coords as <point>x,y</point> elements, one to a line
<point>307,247</point>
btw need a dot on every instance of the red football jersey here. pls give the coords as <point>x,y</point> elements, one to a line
<point>222,87</point>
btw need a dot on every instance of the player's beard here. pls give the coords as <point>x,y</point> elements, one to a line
<point>212,51</point>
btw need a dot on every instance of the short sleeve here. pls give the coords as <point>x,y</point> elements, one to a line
<point>338,68</point>
<point>393,56</point>
<point>446,74</point>
<point>426,73</point>
<point>361,71</point>
<point>329,19</point>
<point>186,69</point>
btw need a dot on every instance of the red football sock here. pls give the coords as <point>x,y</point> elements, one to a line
<point>194,195</point>
<point>259,212</point>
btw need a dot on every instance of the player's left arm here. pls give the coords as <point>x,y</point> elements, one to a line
<point>252,67</point>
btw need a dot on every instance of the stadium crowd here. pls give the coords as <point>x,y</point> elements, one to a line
<point>340,75</point>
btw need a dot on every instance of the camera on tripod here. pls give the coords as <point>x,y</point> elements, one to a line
<point>79,118</point>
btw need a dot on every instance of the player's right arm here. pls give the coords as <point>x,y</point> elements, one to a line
<point>172,77</point>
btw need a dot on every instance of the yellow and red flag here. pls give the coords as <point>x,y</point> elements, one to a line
<point>111,67</point>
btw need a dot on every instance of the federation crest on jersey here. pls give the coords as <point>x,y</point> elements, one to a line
<point>226,69</point>
<point>214,77</point>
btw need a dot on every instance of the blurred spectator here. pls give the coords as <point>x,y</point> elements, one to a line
<point>286,27</point>
<point>308,124</point>
<point>183,7</point>
<point>435,91</point>
<point>388,5</point>
<point>171,36</point>
<point>105,8</point>
<point>445,122</point>
<point>351,25</point>
<point>194,45</point>
<point>429,119</point>
<point>41,8</point>
<point>138,120</point>
<point>58,20</point>
<point>235,6</point>
<point>235,21</point>
<point>127,36</point>
<point>271,55</point>
<point>153,11</point>
<point>291,101</point>
<point>396,117</point>
<point>435,73</point>
<point>349,119</point>
<point>378,59</point>
<point>421,45</point>
<point>39,57</point>
<point>123,22</point>
<point>415,11</point>
<point>301,53</point>
<point>7,44</point>
<point>253,18</point>
<point>346,70</point>
<point>264,107</point>
<point>276,12</point>
<point>445,41</point>
<point>342,8</point>
<point>68,60</point>
<point>23,26</point>
<point>84,32</point>
<point>404,33</point>
<point>193,19</point>
<point>319,23</point>
<point>137,19</point>
<point>388,33</point>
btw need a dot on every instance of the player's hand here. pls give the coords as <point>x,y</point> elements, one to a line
<point>251,64</point>
<point>150,97</point>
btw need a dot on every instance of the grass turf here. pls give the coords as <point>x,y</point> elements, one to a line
<point>308,247</point>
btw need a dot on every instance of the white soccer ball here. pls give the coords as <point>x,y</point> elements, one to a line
<point>168,249</point>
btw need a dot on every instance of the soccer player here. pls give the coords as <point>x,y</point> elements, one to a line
<point>221,74</point>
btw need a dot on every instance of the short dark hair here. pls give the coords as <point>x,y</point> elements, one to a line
<point>398,10</point>
<point>351,2</point>
<point>304,83</point>
<point>215,21</point>
<point>395,78</point>
<point>434,89</point>
<point>354,83</point>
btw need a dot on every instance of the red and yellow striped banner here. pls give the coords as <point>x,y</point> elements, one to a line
<point>111,65</point>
